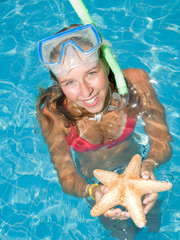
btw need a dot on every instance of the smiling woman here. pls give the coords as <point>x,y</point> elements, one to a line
<point>82,111</point>
<point>144,34</point>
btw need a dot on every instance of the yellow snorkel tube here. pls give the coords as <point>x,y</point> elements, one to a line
<point>85,17</point>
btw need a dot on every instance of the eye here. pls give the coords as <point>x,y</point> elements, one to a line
<point>91,73</point>
<point>69,83</point>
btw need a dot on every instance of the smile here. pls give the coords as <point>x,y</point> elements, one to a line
<point>92,102</point>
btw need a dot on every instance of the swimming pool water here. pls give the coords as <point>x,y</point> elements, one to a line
<point>144,34</point>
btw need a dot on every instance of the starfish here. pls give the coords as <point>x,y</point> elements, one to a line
<point>127,190</point>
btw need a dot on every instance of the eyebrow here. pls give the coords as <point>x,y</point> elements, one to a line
<point>64,81</point>
<point>93,68</point>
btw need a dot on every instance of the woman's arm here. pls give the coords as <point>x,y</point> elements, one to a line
<point>153,114</point>
<point>156,128</point>
<point>54,134</point>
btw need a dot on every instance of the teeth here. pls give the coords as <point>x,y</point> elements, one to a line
<point>91,100</point>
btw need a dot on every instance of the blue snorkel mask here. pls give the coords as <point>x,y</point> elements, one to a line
<point>74,47</point>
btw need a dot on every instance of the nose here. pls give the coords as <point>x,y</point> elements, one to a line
<point>85,89</point>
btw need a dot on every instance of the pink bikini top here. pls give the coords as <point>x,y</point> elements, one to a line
<point>81,145</point>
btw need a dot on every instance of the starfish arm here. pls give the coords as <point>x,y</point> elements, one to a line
<point>134,167</point>
<point>108,201</point>
<point>105,177</point>
<point>149,186</point>
<point>135,208</point>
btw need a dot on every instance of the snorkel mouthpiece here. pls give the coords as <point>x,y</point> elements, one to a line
<point>83,14</point>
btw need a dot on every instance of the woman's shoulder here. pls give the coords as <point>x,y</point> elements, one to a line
<point>142,90</point>
<point>49,111</point>
<point>140,80</point>
<point>135,75</point>
<point>51,117</point>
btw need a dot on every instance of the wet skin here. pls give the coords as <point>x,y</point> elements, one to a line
<point>86,90</point>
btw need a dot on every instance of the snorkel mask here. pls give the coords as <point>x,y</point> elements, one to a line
<point>74,47</point>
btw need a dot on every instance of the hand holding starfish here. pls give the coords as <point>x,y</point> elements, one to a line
<point>127,190</point>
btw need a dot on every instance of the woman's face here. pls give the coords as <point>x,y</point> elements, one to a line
<point>87,87</point>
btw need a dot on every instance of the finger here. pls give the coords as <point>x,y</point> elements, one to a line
<point>145,175</point>
<point>148,207</point>
<point>104,189</point>
<point>121,215</point>
<point>150,197</point>
<point>100,191</point>
<point>117,214</point>
<point>150,204</point>
<point>127,214</point>
<point>112,212</point>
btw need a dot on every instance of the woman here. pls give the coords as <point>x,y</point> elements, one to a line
<point>82,111</point>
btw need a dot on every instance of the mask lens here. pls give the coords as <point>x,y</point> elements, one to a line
<point>84,38</point>
<point>76,46</point>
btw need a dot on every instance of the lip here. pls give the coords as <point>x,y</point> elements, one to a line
<point>94,103</point>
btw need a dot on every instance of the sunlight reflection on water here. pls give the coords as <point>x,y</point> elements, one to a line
<point>143,34</point>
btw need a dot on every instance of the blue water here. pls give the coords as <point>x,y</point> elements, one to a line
<point>144,34</point>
